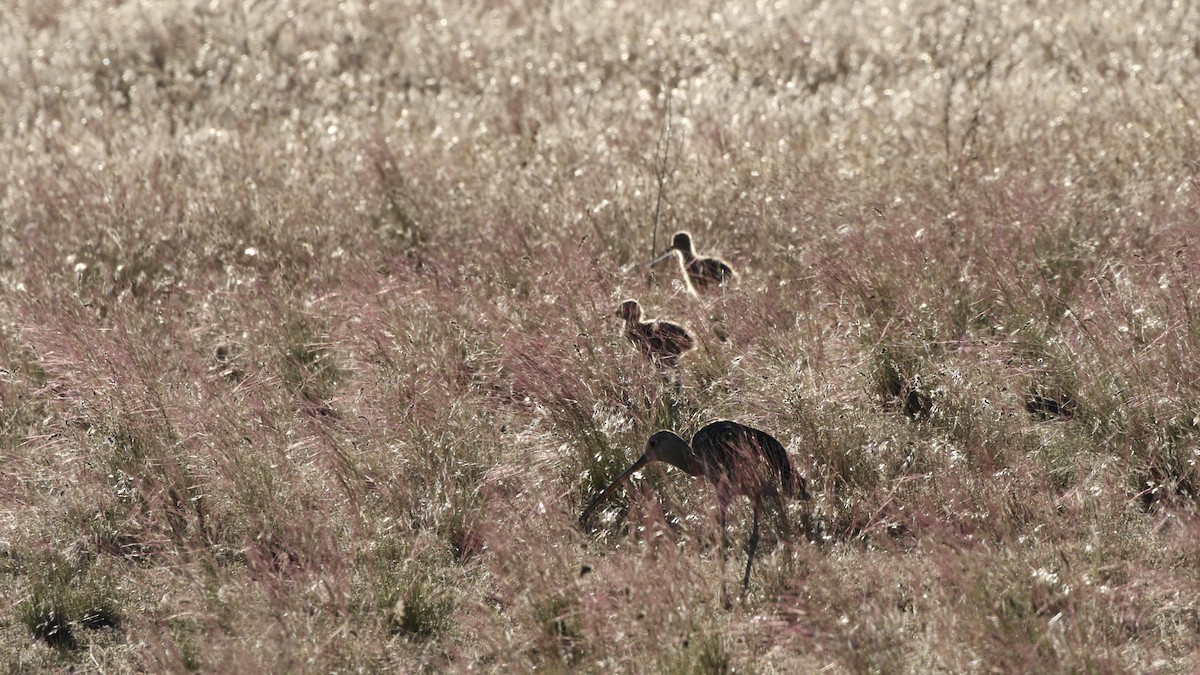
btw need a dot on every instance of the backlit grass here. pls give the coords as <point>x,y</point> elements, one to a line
<point>310,361</point>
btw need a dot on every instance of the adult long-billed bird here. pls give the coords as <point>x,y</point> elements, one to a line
<point>700,273</point>
<point>736,459</point>
<point>660,340</point>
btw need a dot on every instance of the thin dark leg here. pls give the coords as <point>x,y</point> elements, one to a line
<point>725,601</point>
<point>751,546</point>
<point>785,524</point>
<point>675,377</point>
<point>724,530</point>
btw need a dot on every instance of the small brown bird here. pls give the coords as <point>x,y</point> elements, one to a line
<point>660,340</point>
<point>736,459</point>
<point>702,273</point>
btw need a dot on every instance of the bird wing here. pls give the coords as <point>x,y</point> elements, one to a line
<point>777,457</point>
<point>735,454</point>
<point>723,269</point>
<point>714,269</point>
<point>670,337</point>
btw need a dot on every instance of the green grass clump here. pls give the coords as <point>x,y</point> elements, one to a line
<point>62,600</point>
<point>421,611</point>
<point>706,654</point>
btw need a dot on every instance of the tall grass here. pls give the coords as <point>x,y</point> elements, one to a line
<point>310,362</point>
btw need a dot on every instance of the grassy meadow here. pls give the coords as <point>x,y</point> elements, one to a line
<point>309,362</point>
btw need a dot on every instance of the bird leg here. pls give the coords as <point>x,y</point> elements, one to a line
<point>724,532</point>
<point>806,521</point>
<point>678,379</point>
<point>725,601</point>
<point>751,546</point>
<point>785,523</point>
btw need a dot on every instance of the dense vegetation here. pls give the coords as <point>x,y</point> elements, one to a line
<point>309,360</point>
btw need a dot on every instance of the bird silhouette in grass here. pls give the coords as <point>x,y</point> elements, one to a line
<point>737,459</point>
<point>662,341</point>
<point>700,273</point>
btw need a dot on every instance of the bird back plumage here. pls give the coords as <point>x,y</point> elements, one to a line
<point>667,337</point>
<point>746,460</point>
<point>660,339</point>
<point>705,272</point>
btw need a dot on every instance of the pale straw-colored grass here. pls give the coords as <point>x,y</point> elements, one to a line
<point>309,361</point>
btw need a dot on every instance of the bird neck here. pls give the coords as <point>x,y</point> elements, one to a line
<point>633,314</point>
<point>687,254</point>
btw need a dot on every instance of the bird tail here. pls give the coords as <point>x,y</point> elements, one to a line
<point>793,483</point>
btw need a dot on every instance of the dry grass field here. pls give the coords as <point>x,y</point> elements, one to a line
<point>309,362</point>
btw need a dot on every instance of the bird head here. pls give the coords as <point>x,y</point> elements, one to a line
<point>630,311</point>
<point>682,241</point>
<point>667,446</point>
<point>663,446</point>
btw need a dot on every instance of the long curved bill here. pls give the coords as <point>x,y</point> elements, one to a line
<point>662,257</point>
<point>587,513</point>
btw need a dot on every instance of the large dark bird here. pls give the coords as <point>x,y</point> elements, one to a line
<point>660,340</point>
<point>700,272</point>
<point>736,459</point>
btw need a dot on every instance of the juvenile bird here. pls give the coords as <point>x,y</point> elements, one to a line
<point>662,341</point>
<point>736,459</point>
<point>702,273</point>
